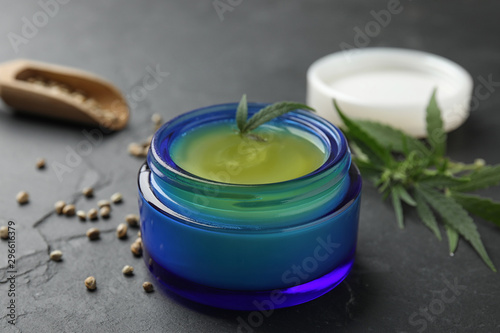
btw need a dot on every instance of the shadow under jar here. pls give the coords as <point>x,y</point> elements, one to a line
<point>238,246</point>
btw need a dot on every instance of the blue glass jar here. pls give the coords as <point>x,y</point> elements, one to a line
<point>235,246</point>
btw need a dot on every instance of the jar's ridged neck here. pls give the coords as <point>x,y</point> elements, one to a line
<point>146,193</point>
<point>289,202</point>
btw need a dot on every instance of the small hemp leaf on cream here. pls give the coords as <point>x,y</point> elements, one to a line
<point>264,115</point>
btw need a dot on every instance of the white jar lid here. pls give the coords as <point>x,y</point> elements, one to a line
<point>391,86</point>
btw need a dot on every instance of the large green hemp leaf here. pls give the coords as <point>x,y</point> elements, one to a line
<point>417,173</point>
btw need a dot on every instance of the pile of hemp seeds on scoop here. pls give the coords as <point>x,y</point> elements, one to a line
<point>90,104</point>
<point>102,210</point>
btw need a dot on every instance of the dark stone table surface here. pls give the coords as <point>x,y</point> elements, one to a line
<point>204,57</point>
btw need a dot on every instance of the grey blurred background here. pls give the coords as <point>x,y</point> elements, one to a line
<point>209,55</point>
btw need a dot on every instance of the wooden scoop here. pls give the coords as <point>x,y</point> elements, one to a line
<point>63,93</point>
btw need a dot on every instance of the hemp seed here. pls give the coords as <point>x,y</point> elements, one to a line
<point>117,197</point>
<point>4,232</point>
<point>82,215</point>
<point>40,163</point>
<point>156,119</point>
<point>103,203</point>
<point>59,206</point>
<point>121,231</point>
<point>148,287</point>
<point>69,210</point>
<point>92,214</point>
<point>22,197</point>
<point>136,149</point>
<point>56,255</point>
<point>136,249</point>
<point>128,270</point>
<point>104,211</point>
<point>90,283</point>
<point>132,220</point>
<point>93,233</point>
<point>88,192</point>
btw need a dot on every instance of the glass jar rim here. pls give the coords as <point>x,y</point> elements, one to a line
<point>306,118</point>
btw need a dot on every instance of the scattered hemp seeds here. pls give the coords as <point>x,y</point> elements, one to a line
<point>121,231</point>
<point>4,232</point>
<point>148,287</point>
<point>141,149</point>
<point>128,270</point>
<point>40,163</point>
<point>92,214</point>
<point>93,233</point>
<point>117,198</point>
<point>56,255</point>
<point>59,206</point>
<point>82,215</point>
<point>69,210</point>
<point>104,211</point>
<point>88,192</point>
<point>103,203</point>
<point>90,283</point>
<point>132,220</point>
<point>22,197</point>
<point>136,249</point>
<point>138,149</point>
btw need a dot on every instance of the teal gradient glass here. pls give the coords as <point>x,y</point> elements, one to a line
<point>225,244</point>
